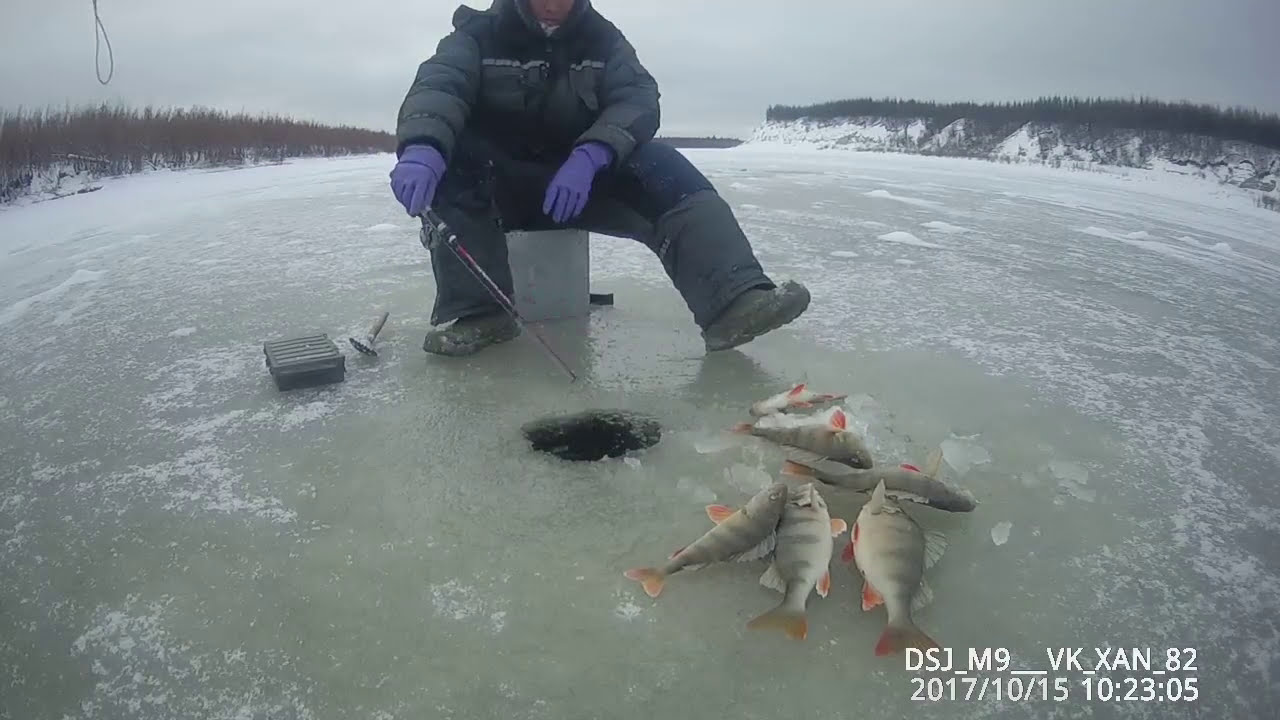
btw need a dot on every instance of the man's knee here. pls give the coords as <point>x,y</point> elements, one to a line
<point>664,173</point>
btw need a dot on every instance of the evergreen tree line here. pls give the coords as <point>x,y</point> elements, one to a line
<point>112,141</point>
<point>1144,114</point>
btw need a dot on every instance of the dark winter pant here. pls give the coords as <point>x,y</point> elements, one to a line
<point>657,197</point>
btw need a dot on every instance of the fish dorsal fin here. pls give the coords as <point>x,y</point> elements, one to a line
<point>797,390</point>
<point>933,463</point>
<point>838,421</point>
<point>935,544</point>
<point>762,549</point>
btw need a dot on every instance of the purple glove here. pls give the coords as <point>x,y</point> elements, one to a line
<point>568,191</point>
<point>414,179</point>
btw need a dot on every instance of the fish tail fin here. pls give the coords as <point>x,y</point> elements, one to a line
<point>896,638</point>
<point>791,621</point>
<point>649,578</point>
<point>791,467</point>
<point>741,428</point>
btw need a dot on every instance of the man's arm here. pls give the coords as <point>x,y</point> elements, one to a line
<point>439,102</point>
<point>629,98</point>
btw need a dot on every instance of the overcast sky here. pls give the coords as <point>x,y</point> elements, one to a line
<point>719,63</point>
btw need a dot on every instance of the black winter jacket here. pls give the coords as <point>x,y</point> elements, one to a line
<point>498,74</point>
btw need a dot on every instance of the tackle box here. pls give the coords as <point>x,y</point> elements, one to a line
<point>305,361</point>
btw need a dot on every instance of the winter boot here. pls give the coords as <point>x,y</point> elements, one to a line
<point>754,313</point>
<point>471,334</point>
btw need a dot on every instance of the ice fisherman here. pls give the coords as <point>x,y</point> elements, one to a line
<point>537,114</point>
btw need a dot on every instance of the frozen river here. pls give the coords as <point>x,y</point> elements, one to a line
<point>1096,355</point>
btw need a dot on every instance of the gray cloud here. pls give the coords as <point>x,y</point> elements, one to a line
<point>719,63</point>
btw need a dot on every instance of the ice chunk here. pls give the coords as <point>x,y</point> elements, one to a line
<point>633,463</point>
<point>844,254</point>
<point>747,478</point>
<point>382,227</point>
<point>695,490</point>
<point>1000,532</point>
<point>712,444</point>
<point>963,452</point>
<point>1072,478</point>
<point>182,332</point>
<point>1069,471</point>
<point>905,261</point>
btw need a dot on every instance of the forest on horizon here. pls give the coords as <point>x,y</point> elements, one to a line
<point>1142,114</point>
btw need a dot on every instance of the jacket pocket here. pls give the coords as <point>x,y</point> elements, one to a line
<point>504,85</point>
<point>584,78</point>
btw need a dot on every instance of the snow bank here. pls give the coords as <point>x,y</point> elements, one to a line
<point>1244,165</point>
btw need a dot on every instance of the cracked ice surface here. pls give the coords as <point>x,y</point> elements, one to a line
<point>1096,355</point>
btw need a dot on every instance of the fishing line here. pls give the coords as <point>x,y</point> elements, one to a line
<point>98,39</point>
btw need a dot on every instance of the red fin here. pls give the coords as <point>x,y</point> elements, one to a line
<point>909,466</point>
<point>824,584</point>
<point>870,598</point>
<point>741,428</point>
<point>847,554</point>
<point>801,404</point>
<point>895,639</point>
<point>828,397</point>
<point>719,513</point>
<point>838,526</point>
<point>649,578</point>
<point>796,390</point>
<point>838,420</point>
<point>794,468</point>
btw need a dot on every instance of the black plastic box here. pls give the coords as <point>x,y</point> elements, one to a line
<point>305,362</point>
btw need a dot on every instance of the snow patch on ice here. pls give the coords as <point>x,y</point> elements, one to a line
<point>455,601</point>
<point>873,224</point>
<point>79,277</point>
<point>203,478</point>
<point>905,238</point>
<point>886,195</point>
<point>844,254</point>
<point>1221,247</point>
<point>905,261</point>
<point>382,227</point>
<point>945,227</point>
<point>304,414</point>
<point>628,610</point>
<point>182,332</point>
<point>141,668</point>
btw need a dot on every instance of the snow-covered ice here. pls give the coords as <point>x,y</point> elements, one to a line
<point>1095,354</point>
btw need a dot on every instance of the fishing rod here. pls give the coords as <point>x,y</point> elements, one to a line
<point>431,220</point>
